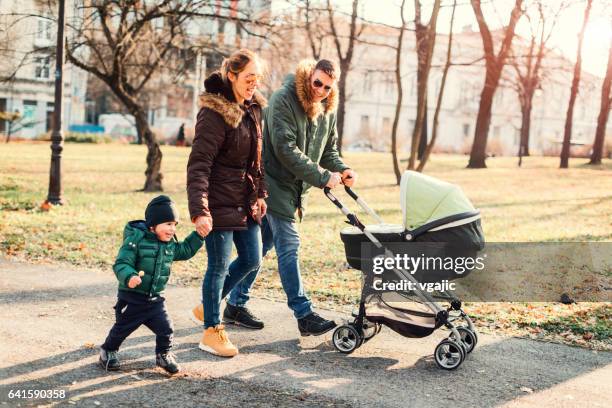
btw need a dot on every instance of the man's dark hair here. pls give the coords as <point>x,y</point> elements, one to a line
<point>329,67</point>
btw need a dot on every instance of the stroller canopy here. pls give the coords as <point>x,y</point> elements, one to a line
<point>425,199</point>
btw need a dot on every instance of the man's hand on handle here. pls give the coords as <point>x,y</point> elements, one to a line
<point>334,180</point>
<point>203,225</point>
<point>349,177</point>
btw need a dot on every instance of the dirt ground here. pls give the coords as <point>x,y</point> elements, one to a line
<point>54,317</point>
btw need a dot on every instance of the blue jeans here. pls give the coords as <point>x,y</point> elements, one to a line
<point>283,235</point>
<point>221,275</point>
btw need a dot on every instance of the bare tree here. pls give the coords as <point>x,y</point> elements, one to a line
<point>447,65</point>
<point>127,43</point>
<point>528,66</point>
<point>315,30</point>
<point>426,39</point>
<point>398,106</point>
<point>494,67</point>
<point>345,59</point>
<point>569,117</point>
<point>604,113</point>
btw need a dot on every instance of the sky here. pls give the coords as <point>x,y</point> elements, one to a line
<point>598,35</point>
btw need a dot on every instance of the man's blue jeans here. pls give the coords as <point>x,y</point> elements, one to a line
<point>283,235</point>
<point>221,275</point>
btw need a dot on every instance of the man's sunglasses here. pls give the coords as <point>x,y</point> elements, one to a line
<point>317,84</point>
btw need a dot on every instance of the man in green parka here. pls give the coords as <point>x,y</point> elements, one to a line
<point>299,152</point>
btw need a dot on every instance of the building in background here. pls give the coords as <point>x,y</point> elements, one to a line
<point>173,103</point>
<point>371,108</point>
<point>371,89</point>
<point>30,56</point>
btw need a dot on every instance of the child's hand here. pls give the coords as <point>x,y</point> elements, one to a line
<point>134,281</point>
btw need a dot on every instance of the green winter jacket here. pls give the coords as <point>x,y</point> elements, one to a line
<point>299,143</point>
<point>142,251</point>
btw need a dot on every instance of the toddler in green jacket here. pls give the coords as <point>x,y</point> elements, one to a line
<point>143,268</point>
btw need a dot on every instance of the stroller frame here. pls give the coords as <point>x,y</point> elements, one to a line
<point>450,352</point>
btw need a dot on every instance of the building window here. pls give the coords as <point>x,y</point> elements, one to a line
<point>44,29</point>
<point>29,113</point>
<point>466,130</point>
<point>365,125</point>
<point>42,67</point>
<point>517,137</point>
<point>386,126</point>
<point>496,131</point>
<point>389,86</point>
<point>49,117</point>
<point>367,83</point>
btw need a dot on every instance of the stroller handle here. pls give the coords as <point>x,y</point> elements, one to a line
<point>357,199</point>
<point>351,217</point>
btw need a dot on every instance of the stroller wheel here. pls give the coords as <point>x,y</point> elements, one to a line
<point>468,338</point>
<point>346,339</point>
<point>372,330</point>
<point>449,355</point>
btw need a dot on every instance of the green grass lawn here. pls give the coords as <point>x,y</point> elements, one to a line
<point>537,202</point>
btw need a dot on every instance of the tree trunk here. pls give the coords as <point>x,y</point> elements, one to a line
<point>8,132</point>
<point>153,174</point>
<point>345,63</point>
<point>398,106</point>
<point>478,154</point>
<point>447,65</point>
<point>341,106</point>
<point>569,118</point>
<point>495,64</point>
<point>426,38</point>
<point>421,47</point>
<point>423,139</point>
<point>526,108</point>
<point>604,113</point>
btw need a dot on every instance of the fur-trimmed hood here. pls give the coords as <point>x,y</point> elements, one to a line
<point>218,96</point>
<point>302,88</point>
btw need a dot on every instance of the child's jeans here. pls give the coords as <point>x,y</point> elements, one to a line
<point>130,316</point>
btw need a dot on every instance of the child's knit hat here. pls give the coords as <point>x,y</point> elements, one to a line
<point>161,209</point>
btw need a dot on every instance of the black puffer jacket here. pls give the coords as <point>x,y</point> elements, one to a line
<point>225,171</point>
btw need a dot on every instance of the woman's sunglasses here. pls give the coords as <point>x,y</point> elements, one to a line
<point>253,79</point>
<point>317,84</point>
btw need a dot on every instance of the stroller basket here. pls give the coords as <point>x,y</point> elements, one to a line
<point>467,237</point>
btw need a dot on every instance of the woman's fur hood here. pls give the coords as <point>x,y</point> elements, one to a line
<point>218,97</point>
<point>302,88</point>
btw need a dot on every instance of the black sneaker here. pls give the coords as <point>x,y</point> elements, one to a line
<point>314,325</point>
<point>241,316</point>
<point>108,360</point>
<point>167,361</point>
